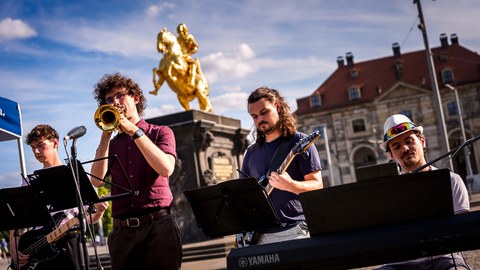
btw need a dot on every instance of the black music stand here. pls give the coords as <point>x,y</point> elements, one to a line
<point>21,208</point>
<point>231,207</point>
<point>127,192</point>
<point>58,187</point>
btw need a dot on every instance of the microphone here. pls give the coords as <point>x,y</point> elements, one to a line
<point>75,133</point>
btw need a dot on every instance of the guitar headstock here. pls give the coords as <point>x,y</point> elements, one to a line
<point>304,143</point>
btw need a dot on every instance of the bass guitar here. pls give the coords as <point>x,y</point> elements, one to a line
<point>250,238</point>
<point>40,246</point>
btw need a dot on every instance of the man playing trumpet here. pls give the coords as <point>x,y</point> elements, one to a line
<point>145,233</point>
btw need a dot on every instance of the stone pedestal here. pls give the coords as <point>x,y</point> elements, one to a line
<point>209,150</point>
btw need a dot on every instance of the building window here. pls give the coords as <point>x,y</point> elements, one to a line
<point>320,130</point>
<point>353,73</point>
<point>407,113</point>
<point>358,125</point>
<point>354,93</point>
<point>398,70</point>
<point>447,76</point>
<point>315,101</point>
<point>443,57</point>
<point>452,108</point>
<point>324,164</point>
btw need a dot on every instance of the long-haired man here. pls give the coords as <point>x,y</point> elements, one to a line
<point>275,125</point>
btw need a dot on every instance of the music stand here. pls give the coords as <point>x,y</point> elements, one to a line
<point>231,207</point>
<point>128,192</point>
<point>58,188</point>
<point>21,208</point>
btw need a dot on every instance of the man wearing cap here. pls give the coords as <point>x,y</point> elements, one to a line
<point>405,143</point>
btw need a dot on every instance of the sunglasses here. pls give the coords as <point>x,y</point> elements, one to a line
<point>395,130</point>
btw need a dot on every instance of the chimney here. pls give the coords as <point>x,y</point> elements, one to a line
<point>454,39</point>
<point>340,61</point>
<point>396,49</point>
<point>444,40</point>
<point>349,57</point>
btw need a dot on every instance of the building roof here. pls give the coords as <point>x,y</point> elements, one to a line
<point>375,77</point>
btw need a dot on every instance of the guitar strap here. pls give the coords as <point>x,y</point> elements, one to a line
<point>279,155</point>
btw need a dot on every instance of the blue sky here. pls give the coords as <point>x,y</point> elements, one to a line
<point>52,53</point>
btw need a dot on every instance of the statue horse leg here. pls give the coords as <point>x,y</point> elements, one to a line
<point>202,96</point>
<point>156,83</point>
<point>184,102</point>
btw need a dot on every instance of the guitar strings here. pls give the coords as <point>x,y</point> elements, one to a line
<point>36,246</point>
<point>44,241</point>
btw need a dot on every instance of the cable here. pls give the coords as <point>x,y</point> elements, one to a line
<point>452,155</point>
<point>466,263</point>
<point>410,31</point>
<point>454,261</point>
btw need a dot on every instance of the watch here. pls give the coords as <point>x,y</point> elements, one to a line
<point>139,133</point>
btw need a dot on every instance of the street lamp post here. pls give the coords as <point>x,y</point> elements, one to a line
<point>462,128</point>
<point>433,78</point>
<point>329,159</point>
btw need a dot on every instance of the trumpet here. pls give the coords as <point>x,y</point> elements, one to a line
<point>107,117</point>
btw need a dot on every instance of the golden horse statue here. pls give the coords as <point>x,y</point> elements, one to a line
<point>182,73</point>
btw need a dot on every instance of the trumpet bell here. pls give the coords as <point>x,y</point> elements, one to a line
<point>107,117</point>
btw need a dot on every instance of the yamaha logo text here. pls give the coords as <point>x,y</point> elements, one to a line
<point>258,260</point>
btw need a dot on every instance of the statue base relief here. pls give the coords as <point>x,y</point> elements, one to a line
<point>210,149</point>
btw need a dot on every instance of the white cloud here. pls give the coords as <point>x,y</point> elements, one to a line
<point>152,112</point>
<point>245,51</point>
<point>104,40</point>
<point>154,10</point>
<point>232,64</point>
<point>232,88</point>
<point>229,102</point>
<point>132,40</point>
<point>15,29</point>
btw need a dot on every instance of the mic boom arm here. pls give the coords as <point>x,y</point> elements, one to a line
<point>454,150</point>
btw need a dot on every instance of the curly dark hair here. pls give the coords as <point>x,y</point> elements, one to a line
<point>40,132</point>
<point>117,80</point>
<point>288,123</point>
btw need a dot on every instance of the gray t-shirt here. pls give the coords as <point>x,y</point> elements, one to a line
<point>461,204</point>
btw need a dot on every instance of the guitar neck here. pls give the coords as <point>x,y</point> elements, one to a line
<point>60,231</point>
<point>50,238</point>
<point>299,147</point>
<point>283,167</point>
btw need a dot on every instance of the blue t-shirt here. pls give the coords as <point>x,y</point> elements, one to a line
<point>256,163</point>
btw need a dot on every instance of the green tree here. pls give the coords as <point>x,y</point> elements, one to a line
<point>107,216</point>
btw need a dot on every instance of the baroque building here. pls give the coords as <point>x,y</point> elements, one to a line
<point>353,103</point>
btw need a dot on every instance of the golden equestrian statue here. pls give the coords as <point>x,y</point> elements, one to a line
<point>182,73</point>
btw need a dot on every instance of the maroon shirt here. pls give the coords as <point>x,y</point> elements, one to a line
<point>154,191</point>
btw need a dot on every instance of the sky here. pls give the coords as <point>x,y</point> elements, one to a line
<point>52,53</point>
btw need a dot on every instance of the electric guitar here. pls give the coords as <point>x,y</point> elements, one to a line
<point>250,238</point>
<point>41,246</point>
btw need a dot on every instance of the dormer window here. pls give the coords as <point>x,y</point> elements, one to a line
<point>447,76</point>
<point>442,57</point>
<point>315,101</point>
<point>354,93</point>
<point>398,70</point>
<point>353,73</point>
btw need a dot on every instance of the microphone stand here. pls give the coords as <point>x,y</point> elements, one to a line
<point>454,150</point>
<point>82,244</point>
